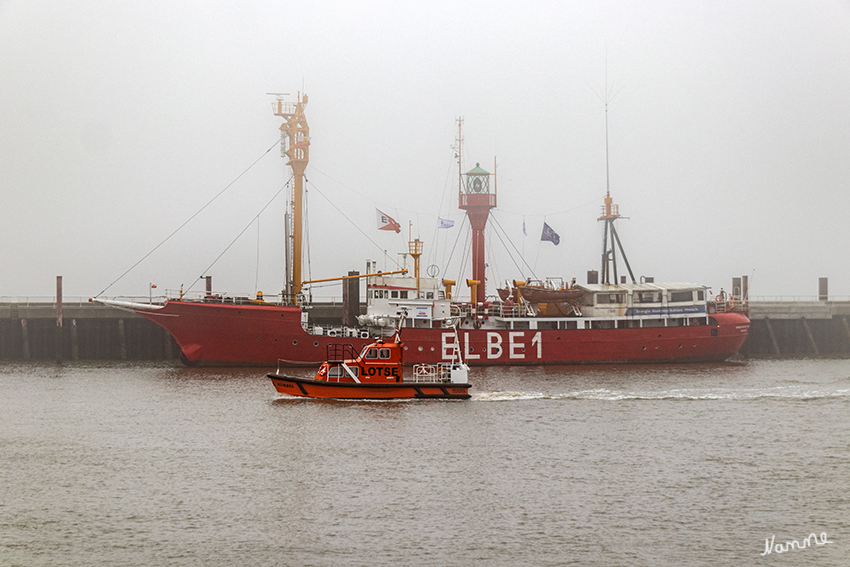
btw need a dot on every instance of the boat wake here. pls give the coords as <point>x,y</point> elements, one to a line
<point>782,392</point>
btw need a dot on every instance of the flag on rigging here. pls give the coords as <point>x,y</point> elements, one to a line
<point>446,223</point>
<point>550,235</point>
<point>523,227</point>
<point>386,222</point>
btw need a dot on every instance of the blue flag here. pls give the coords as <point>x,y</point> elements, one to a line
<point>550,235</point>
<point>446,223</point>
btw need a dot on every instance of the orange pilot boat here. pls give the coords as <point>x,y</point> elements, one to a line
<point>377,373</point>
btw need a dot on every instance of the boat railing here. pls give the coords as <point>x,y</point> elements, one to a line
<point>339,352</point>
<point>436,372</point>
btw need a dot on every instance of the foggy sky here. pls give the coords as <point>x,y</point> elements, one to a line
<point>729,131</point>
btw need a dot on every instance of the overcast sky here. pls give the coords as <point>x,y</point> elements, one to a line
<point>729,137</point>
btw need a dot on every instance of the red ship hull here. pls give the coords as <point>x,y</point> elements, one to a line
<point>216,334</point>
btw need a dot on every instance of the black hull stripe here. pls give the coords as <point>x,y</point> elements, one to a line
<point>417,387</point>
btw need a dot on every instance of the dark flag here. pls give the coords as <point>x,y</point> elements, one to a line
<point>550,235</point>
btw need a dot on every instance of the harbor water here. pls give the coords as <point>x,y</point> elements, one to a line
<point>153,464</point>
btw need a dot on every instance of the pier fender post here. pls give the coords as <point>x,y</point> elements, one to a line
<point>75,341</point>
<point>846,330</point>
<point>812,342</point>
<point>25,340</point>
<point>122,338</point>
<point>776,350</point>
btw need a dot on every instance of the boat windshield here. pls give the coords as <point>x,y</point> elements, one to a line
<point>372,353</point>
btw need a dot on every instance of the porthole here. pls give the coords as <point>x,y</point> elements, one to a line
<point>656,347</point>
<point>421,349</point>
<point>644,348</point>
<point>315,343</point>
<point>432,349</point>
<point>680,346</point>
<point>295,342</point>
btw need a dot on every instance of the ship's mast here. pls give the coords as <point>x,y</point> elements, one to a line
<point>610,213</point>
<point>294,146</point>
<point>475,198</point>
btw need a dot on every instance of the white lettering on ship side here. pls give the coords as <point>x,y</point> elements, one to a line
<point>494,349</point>
<point>513,346</point>
<point>449,348</point>
<point>468,354</point>
<point>494,345</point>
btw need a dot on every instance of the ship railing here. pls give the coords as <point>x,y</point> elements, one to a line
<point>478,311</point>
<point>67,301</point>
<point>729,303</point>
<point>435,372</point>
<point>335,331</point>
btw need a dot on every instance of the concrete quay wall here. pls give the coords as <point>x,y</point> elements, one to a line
<point>89,331</point>
<point>798,329</point>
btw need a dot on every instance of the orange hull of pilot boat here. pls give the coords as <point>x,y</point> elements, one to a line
<point>377,373</point>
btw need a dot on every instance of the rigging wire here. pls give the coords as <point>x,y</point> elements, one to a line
<point>537,256</point>
<point>167,238</point>
<point>463,259</point>
<point>353,224</point>
<point>383,206</point>
<point>240,234</point>
<point>257,277</point>
<point>513,245</point>
<point>492,257</point>
<point>460,230</point>
<point>433,255</point>
<point>519,269</point>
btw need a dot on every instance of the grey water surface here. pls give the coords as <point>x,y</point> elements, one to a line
<point>142,464</point>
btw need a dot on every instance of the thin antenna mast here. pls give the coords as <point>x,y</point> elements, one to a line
<point>459,150</point>
<point>610,211</point>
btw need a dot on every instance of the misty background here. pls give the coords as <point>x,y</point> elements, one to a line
<point>729,134</point>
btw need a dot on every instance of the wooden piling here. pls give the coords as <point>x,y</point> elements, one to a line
<point>58,342</point>
<point>75,341</point>
<point>25,339</point>
<point>122,339</point>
